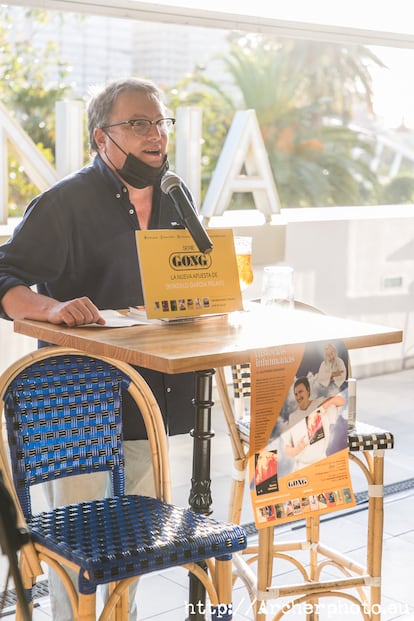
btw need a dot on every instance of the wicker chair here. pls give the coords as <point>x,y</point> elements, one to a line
<point>366,446</point>
<point>63,417</point>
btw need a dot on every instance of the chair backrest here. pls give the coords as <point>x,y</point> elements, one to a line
<point>63,413</point>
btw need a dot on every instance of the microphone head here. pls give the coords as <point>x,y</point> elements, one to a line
<point>170,181</point>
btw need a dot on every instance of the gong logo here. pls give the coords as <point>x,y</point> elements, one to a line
<point>190,261</point>
<point>298,482</point>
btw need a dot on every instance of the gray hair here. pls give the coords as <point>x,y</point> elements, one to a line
<point>100,105</point>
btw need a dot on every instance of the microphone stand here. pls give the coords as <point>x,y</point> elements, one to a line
<point>11,540</point>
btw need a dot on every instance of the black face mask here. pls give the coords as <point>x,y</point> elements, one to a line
<point>140,175</point>
<point>137,173</point>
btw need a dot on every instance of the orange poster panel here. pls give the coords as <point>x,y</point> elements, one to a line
<point>298,459</point>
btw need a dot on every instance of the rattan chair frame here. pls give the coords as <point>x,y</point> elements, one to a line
<point>217,581</point>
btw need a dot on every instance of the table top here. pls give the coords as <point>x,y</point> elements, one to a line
<point>210,342</point>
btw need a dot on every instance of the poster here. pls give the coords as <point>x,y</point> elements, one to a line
<point>298,460</point>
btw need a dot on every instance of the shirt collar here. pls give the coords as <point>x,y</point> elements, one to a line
<point>108,174</point>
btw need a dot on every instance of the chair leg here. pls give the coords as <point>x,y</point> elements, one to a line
<point>87,607</point>
<point>21,613</point>
<point>375,531</point>
<point>122,607</point>
<point>119,610</point>
<point>223,579</point>
<point>312,536</point>
<point>28,573</point>
<point>264,569</point>
<point>63,575</point>
<point>117,605</point>
<point>237,492</point>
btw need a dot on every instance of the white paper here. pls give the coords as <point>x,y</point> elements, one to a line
<point>139,314</point>
<point>115,319</point>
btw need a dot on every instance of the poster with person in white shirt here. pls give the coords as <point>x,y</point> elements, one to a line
<point>299,400</point>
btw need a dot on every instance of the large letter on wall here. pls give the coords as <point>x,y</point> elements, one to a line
<point>243,148</point>
<point>188,148</point>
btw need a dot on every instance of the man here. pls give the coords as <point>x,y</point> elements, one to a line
<point>307,437</point>
<point>77,245</point>
<point>331,376</point>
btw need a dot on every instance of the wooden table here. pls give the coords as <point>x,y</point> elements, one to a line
<point>201,346</point>
<point>204,344</point>
<point>210,341</point>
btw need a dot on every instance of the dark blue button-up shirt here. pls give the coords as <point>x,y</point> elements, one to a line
<point>78,239</point>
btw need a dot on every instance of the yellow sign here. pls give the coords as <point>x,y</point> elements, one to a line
<point>179,281</point>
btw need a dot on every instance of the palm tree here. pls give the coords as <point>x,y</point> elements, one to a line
<point>338,74</point>
<point>27,90</point>
<point>303,107</point>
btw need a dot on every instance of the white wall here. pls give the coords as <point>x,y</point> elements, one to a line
<point>358,262</point>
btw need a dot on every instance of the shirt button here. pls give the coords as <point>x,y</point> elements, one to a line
<point>124,189</point>
<point>131,211</point>
<point>117,195</point>
<point>169,389</point>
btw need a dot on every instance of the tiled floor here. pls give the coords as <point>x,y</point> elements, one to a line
<point>386,401</point>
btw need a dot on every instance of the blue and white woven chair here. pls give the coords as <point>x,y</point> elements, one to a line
<point>63,417</point>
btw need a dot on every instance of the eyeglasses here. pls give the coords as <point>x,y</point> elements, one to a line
<point>142,127</point>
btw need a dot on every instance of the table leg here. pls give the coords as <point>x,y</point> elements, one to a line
<point>200,494</point>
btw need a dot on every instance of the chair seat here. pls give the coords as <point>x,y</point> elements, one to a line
<point>116,538</point>
<point>243,427</point>
<point>369,438</point>
<point>363,438</point>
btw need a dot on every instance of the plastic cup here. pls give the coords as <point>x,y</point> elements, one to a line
<point>277,287</point>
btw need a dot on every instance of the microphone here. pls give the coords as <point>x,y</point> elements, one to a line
<point>171,185</point>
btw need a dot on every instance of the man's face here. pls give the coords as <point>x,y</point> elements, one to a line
<point>330,354</point>
<point>151,148</point>
<point>302,396</point>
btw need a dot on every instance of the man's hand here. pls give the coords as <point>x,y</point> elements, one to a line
<point>21,302</point>
<point>77,312</point>
<point>292,451</point>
